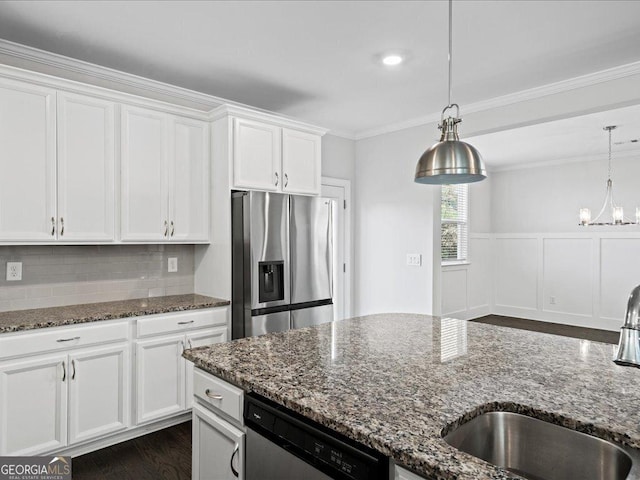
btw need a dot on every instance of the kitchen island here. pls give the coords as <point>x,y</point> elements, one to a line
<point>397,382</point>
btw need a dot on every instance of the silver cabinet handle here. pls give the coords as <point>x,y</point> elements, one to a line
<point>73,364</point>
<point>173,228</point>
<point>166,228</point>
<point>183,346</point>
<point>60,340</point>
<point>233,470</point>
<point>64,372</point>
<point>286,179</point>
<point>190,344</point>
<point>276,179</point>
<point>185,323</point>
<point>53,226</point>
<point>61,226</point>
<point>213,396</point>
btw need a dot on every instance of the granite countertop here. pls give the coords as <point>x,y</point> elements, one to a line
<point>19,320</point>
<point>395,382</point>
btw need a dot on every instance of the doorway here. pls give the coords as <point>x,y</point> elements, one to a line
<point>339,192</point>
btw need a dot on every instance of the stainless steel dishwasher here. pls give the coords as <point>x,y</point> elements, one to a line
<point>281,445</point>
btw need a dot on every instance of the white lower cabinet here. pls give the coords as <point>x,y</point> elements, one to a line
<point>98,392</point>
<point>218,429</point>
<point>218,447</point>
<point>33,406</point>
<point>87,391</point>
<point>403,474</point>
<point>163,377</point>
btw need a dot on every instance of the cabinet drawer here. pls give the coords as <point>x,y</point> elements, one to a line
<point>178,322</point>
<point>218,394</point>
<point>52,339</point>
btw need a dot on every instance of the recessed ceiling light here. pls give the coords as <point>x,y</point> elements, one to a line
<point>392,60</point>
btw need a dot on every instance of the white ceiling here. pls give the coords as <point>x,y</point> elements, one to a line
<point>316,60</point>
<point>572,139</point>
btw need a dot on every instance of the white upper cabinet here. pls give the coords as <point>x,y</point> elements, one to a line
<point>144,215</point>
<point>27,162</point>
<point>189,180</point>
<point>269,157</point>
<point>301,162</point>
<point>85,168</point>
<point>164,177</point>
<point>256,155</point>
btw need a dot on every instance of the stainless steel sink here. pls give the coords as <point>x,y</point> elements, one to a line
<point>538,450</point>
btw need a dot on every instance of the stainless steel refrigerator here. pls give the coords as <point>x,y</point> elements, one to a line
<point>282,262</point>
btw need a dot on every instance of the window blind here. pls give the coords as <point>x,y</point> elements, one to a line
<point>454,209</point>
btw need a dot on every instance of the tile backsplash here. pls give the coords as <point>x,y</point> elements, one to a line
<point>66,275</point>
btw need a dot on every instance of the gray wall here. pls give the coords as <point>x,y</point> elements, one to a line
<point>66,275</point>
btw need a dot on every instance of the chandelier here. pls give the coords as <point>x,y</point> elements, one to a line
<point>610,213</point>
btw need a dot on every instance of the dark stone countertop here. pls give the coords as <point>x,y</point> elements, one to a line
<point>19,320</point>
<point>396,382</point>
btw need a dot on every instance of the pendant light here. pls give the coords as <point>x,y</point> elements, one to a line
<point>615,212</point>
<point>450,161</point>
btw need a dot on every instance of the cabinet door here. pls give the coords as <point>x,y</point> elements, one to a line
<point>218,447</point>
<point>189,181</point>
<point>256,155</point>
<point>27,162</point>
<point>160,382</point>
<point>33,406</point>
<point>301,161</point>
<point>85,168</point>
<point>144,192</point>
<point>200,339</point>
<point>98,392</point>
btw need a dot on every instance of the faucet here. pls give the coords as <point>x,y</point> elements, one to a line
<point>628,353</point>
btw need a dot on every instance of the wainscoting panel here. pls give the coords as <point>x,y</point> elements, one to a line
<point>620,273</point>
<point>454,282</point>
<point>567,277</point>
<point>516,272</point>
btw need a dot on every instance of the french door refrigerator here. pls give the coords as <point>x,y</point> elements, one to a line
<point>281,262</point>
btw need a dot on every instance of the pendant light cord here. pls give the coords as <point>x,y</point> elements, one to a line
<point>609,173</point>
<point>451,47</point>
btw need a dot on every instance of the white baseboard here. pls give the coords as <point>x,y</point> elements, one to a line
<point>561,318</point>
<point>470,314</point>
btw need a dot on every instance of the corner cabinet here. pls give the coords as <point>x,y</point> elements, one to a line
<point>269,156</point>
<point>164,177</point>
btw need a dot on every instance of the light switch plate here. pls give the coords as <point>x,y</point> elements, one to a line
<point>14,271</point>
<point>173,264</point>
<point>414,259</point>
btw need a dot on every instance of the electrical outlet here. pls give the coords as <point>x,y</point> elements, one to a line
<point>552,300</point>
<point>414,259</point>
<point>172,264</point>
<point>14,271</point>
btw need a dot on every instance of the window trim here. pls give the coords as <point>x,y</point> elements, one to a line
<point>454,262</point>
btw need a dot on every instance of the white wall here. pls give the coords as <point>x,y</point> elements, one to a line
<point>394,216</point>
<point>338,158</point>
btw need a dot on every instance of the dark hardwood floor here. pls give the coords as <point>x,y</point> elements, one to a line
<point>163,455</point>
<point>604,336</point>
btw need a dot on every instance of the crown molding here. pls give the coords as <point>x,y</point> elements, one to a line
<point>567,85</point>
<point>206,104</point>
<point>259,115</point>
<point>563,161</point>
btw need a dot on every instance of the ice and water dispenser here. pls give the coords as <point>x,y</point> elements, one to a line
<point>270,281</point>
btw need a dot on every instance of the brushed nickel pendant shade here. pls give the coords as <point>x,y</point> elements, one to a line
<point>450,161</point>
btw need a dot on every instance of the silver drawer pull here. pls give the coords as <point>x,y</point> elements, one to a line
<point>186,323</point>
<point>214,396</point>
<point>60,340</point>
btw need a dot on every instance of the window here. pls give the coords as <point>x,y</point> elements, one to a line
<point>454,218</point>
